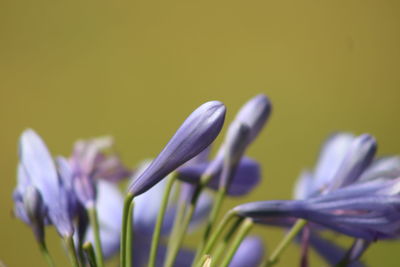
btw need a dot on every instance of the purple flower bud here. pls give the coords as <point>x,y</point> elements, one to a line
<point>197,132</point>
<point>254,114</point>
<point>36,211</point>
<point>40,171</point>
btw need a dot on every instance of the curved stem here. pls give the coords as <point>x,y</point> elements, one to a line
<point>274,258</point>
<point>125,218</point>
<point>129,235</point>
<point>244,229</point>
<point>160,218</point>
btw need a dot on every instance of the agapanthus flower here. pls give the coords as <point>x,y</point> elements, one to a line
<point>38,181</point>
<point>196,133</point>
<point>89,163</point>
<point>348,192</point>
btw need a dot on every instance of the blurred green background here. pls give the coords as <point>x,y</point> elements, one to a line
<point>135,70</point>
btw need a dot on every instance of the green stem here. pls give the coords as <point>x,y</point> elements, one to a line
<point>129,235</point>
<point>216,234</point>
<point>46,254</point>
<point>177,222</point>
<point>125,219</point>
<point>94,222</point>
<point>274,258</point>
<point>180,237</point>
<point>90,255</point>
<point>211,220</point>
<point>160,218</point>
<point>221,247</point>
<point>244,229</point>
<point>69,241</point>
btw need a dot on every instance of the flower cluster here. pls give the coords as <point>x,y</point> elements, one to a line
<point>350,191</point>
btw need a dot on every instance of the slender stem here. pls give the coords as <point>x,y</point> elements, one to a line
<point>46,254</point>
<point>177,222</point>
<point>221,247</point>
<point>69,241</point>
<point>180,237</point>
<point>160,218</point>
<point>214,212</point>
<point>129,235</point>
<point>211,220</point>
<point>244,229</point>
<point>94,222</point>
<point>125,217</point>
<point>274,258</point>
<point>216,234</point>
<point>90,255</point>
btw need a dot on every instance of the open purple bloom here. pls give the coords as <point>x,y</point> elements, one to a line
<point>37,170</point>
<point>196,133</point>
<point>369,211</point>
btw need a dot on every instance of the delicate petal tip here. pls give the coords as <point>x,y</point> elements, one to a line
<point>196,133</point>
<point>255,113</point>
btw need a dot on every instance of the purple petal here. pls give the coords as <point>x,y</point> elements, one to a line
<point>109,208</point>
<point>39,167</point>
<point>197,132</point>
<point>387,167</point>
<point>304,187</point>
<point>250,253</point>
<point>330,159</point>
<point>329,251</point>
<point>357,159</point>
<point>247,176</point>
<point>254,114</point>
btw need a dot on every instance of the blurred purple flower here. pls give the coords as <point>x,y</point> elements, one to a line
<point>89,163</point>
<point>196,133</point>
<point>245,179</point>
<point>37,173</point>
<point>250,253</point>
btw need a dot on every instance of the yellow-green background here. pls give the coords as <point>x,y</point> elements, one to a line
<point>135,69</point>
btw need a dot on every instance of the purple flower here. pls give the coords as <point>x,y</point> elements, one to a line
<point>196,133</point>
<point>369,210</point>
<point>90,163</point>
<point>246,177</point>
<point>37,173</point>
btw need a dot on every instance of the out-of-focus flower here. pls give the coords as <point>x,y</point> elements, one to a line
<point>196,133</point>
<point>39,182</point>
<point>245,179</point>
<point>89,163</point>
<point>250,253</point>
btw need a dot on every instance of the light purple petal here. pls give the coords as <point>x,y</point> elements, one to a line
<point>386,167</point>
<point>250,253</point>
<point>247,176</point>
<point>40,168</point>
<point>197,132</point>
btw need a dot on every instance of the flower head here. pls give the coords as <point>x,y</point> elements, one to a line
<point>38,181</point>
<point>196,133</point>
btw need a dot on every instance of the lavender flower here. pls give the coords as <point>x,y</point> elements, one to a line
<point>197,132</point>
<point>250,253</point>
<point>247,176</point>
<point>89,163</point>
<point>37,172</point>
